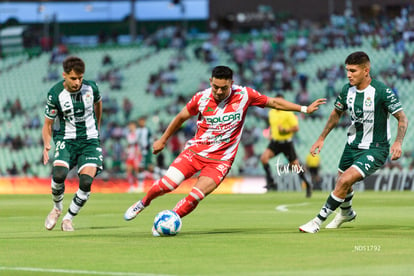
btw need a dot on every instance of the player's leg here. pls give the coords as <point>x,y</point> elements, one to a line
<point>346,174</point>
<point>211,175</point>
<point>334,200</point>
<point>301,173</point>
<point>90,163</point>
<point>290,153</point>
<point>201,189</point>
<point>131,175</point>
<point>81,196</point>
<point>265,158</point>
<point>367,162</point>
<point>363,163</point>
<point>347,213</point>
<point>59,173</point>
<point>182,168</point>
<point>169,182</point>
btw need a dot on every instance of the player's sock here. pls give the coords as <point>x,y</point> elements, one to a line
<point>160,187</point>
<point>189,203</point>
<point>332,203</point>
<point>269,178</point>
<point>346,206</point>
<point>58,191</point>
<point>79,199</point>
<point>59,174</point>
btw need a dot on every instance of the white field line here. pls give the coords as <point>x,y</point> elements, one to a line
<point>284,208</point>
<point>69,271</point>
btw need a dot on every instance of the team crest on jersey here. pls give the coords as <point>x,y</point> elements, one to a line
<point>368,101</point>
<point>234,106</point>
<point>88,98</point>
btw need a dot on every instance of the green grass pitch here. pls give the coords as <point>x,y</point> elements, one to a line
<point>226,235</point>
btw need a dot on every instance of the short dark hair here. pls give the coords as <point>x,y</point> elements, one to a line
<point>357,58</point>
<point>222,72</point>
<point>73,63</point>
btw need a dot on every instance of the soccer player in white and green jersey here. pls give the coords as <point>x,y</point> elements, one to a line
<point>369,103</point>
<point>77,105</point>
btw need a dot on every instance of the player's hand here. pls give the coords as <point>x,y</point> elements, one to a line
<point>316,147</point>
<point>46,154</point>
<point>158,146</point>
<point>396,151</point>
<point>315,105</point>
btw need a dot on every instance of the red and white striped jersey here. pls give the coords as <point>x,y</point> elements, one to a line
<point>220,124</point>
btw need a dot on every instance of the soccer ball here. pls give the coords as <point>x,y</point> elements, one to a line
<point>167,223</point>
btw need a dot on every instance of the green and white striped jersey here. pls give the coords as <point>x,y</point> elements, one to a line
<point>369,110</point>
<point>75,110</point>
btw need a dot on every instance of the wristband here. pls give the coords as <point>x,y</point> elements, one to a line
<point>304,109</point>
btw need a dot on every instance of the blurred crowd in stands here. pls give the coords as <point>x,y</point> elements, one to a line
<point>270,67</point>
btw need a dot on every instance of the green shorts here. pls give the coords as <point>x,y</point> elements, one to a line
<point>366,161</point>
<point>79,153</point>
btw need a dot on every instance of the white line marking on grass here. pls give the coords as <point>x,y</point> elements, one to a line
<point>69,271</point>
<point>284,208</point>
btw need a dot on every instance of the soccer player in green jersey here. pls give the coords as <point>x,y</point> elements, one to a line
<point>369,103</point>
<point>77,105</point>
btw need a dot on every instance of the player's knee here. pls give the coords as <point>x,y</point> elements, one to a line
<point>59,174</point>
<point>85,182</point>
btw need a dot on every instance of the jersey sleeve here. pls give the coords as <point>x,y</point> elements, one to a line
<point>391,102</point>
<point>256,98</point>
<point>340,102</point>
<point>192,105</point>
<point>96,94</point>
<point>51,108</point>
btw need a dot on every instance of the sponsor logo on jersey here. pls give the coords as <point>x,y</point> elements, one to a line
<point>358,112</point>
<point>91,158</point>
<point>370,158</point>
<point>222,168</point>
<point>226,118</point>
<point>209,109</point>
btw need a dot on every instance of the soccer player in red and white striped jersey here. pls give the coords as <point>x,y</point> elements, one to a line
<point>221,111</point>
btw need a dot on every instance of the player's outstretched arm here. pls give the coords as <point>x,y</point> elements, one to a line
<point>396,148</point>
<point>330,124</point>
<point>282,104</point>
<point>174,125</point>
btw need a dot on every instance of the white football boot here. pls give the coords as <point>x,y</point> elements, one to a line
<point>134,210</point>
<point>67,226</point>
<point>339,219</point>
<point>52,218</point>
<point>310,227</point>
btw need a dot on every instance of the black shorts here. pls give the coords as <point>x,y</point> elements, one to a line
<point>286,148</point>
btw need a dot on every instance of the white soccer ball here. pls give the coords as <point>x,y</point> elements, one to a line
<point>167,223</point>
